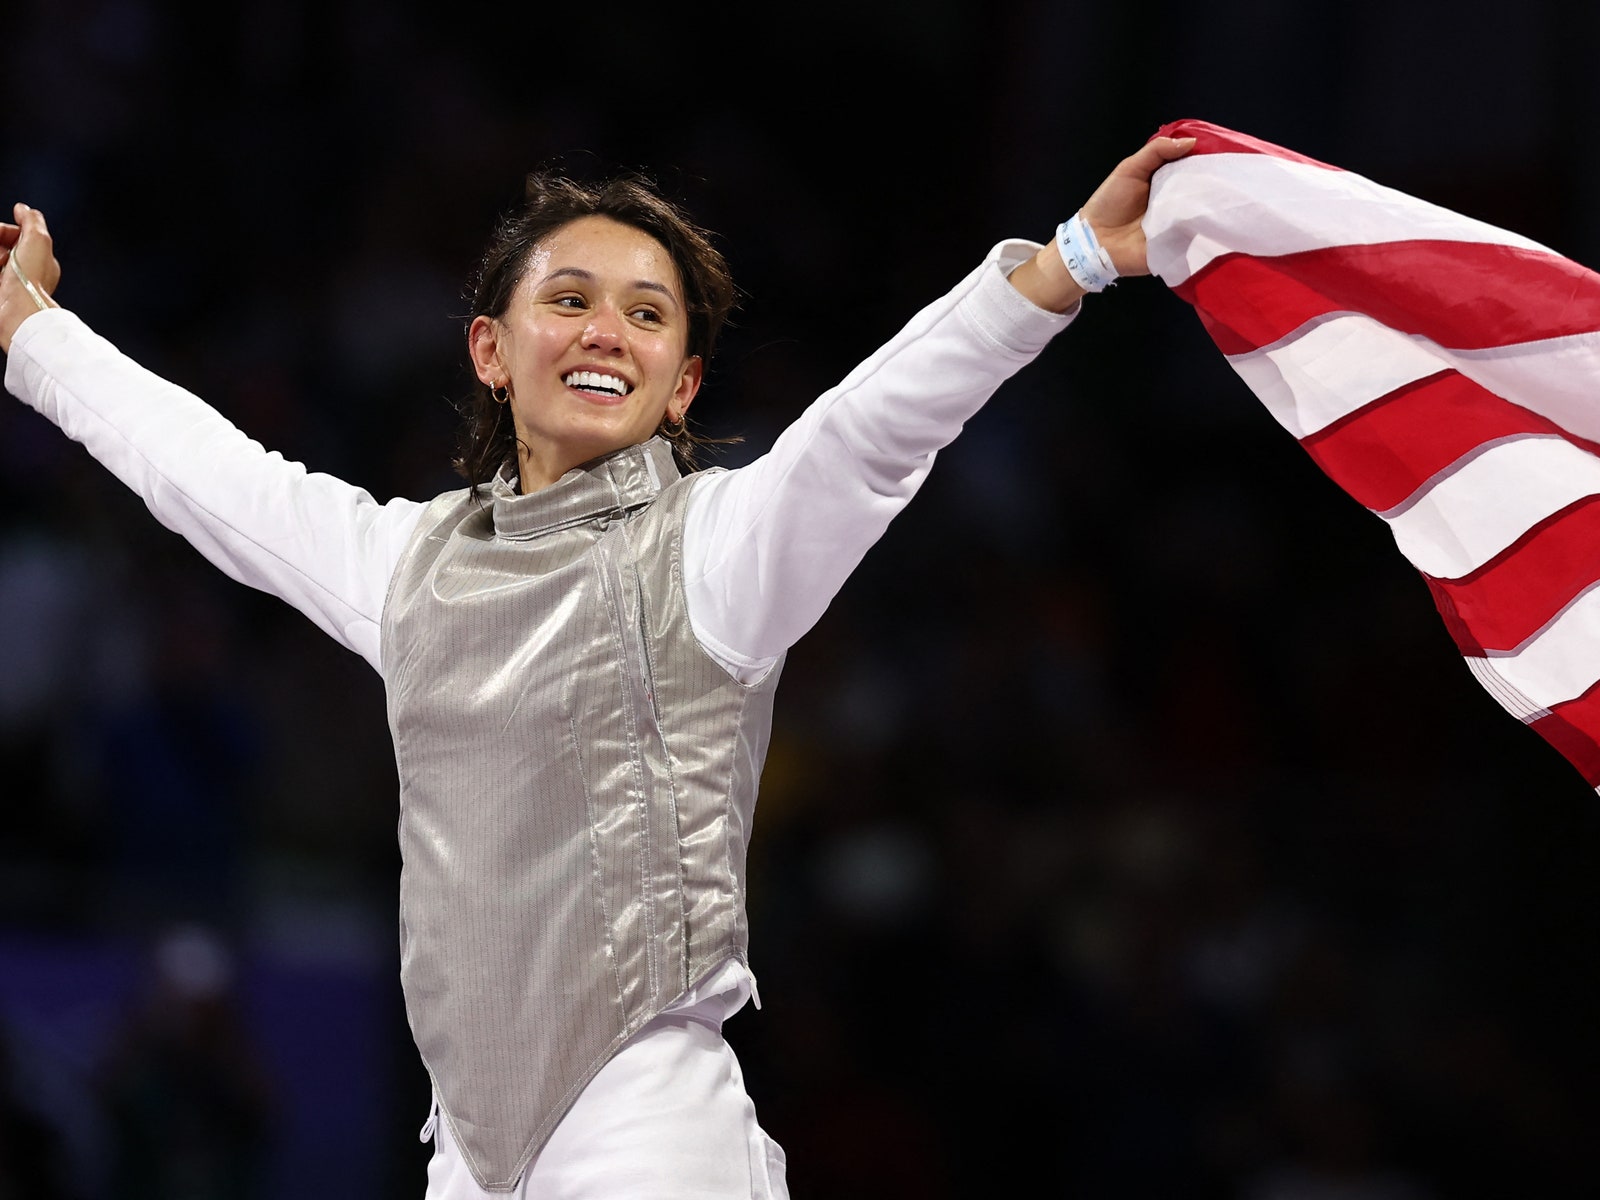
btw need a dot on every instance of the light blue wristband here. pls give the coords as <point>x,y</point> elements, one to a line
<point>1087,261</point>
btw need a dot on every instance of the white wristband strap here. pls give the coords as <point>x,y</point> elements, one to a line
<point>1087,261</point>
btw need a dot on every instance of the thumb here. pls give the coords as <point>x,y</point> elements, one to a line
<point>1158,151</point>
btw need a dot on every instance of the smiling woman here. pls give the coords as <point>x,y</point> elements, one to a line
<point>580,648</point>
<point>628,283</point>
<point>590,358</point>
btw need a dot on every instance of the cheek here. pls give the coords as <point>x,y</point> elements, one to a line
<point>551,339</point>
<point>666,361</point>
<point>537,348</point>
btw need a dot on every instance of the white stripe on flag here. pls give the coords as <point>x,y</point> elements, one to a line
<point>1467,516</point>
<point>1518,705</point>
<point>1558,378</point>
<point>1260,205</point>
<point>1556,664</point>
<point>1329,369</point>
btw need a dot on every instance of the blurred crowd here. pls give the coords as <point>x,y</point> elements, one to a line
<point>1130,826</point>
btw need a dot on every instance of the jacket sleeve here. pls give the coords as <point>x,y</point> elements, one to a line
<point>322,545</point>
<point>768,546</point>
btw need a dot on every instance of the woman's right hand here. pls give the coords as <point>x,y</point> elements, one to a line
<point>28,242</point>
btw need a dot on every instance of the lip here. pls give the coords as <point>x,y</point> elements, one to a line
<point>599,401</point>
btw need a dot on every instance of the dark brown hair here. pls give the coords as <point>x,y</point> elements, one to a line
<point>489,438</point>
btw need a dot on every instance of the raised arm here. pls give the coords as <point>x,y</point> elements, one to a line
<point>320,544</point>
<point>767,547</point>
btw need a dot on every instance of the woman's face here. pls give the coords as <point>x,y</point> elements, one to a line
<point>592,347</point>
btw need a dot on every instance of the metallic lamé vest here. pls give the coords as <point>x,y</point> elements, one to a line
<point>577,780</point>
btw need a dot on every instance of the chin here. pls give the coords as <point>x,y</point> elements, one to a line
<point>597,443</point>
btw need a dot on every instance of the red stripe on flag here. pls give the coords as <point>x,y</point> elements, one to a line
<point>1383,452</point>
<point>1214,139</point>
<point>1510,598</point>
<point>1573,728</point>
<point>1463,295</point>
<point>1246,302</point>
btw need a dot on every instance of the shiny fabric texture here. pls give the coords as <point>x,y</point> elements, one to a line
<point>577,780</point>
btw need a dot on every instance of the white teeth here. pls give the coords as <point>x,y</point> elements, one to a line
<point>594,381</point>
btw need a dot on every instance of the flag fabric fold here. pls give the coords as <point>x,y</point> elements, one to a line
<point>1444,372</point>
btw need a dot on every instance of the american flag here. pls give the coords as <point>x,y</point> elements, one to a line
<point>1444,372</point>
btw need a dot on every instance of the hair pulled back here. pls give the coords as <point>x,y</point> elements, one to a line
<point>489,439</point>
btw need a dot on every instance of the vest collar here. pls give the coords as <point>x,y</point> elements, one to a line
<point>611,485</point>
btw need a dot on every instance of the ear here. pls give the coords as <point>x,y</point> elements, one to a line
<point>483,347</point>
<point>688,385</point>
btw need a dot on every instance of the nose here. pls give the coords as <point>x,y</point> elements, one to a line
<point>603,333</point>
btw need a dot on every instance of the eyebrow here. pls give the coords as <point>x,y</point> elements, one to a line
<point>648,285</point>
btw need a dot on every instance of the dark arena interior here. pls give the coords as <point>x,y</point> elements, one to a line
<point>1131,825</point>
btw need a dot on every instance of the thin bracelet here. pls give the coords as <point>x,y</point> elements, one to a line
<point>33,292</point>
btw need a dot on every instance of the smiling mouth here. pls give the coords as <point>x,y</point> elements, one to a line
<point>598,384</point>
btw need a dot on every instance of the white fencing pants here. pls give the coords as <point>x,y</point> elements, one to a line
<point>666,1119</point>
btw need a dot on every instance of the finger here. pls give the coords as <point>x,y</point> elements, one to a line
<point>1170,147</point>
<point>31,220</point>
<point>9,234</point>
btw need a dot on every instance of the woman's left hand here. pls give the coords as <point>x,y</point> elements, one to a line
<point>28,243</point>
<point>1116,209</point>
<point>1115,213</point>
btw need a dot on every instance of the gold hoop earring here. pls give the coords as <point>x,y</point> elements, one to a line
<point>505,393</point>
<point>673,429</point>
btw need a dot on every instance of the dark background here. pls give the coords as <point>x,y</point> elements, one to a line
<point>1130,827</point>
